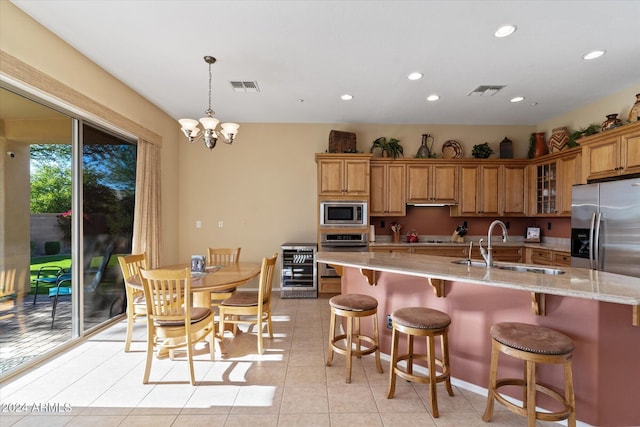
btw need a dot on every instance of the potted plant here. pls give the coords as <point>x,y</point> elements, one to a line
<point>390,148</point>
<point>589,130</point>
<point>481,151</point>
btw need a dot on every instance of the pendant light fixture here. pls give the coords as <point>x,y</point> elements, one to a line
<point>209,123</point>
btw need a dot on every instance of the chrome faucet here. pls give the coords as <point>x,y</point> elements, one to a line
<point>487,254</point>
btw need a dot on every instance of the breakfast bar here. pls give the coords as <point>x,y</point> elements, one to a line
<point>598,310</point>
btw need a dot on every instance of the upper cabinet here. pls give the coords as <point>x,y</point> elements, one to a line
<point>343,175</point>
<point>432,182</point>
<point>492,188</point>
<point>612,153</point>
<point>387,188</point>
<point>551,181</point>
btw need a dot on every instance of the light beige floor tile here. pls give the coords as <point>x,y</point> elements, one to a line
<point>407,419</point>
<point>355,419</point>
<point>306,375</point>
<point>148,420</point>
<point>351,398</point>
<point>41,420</point>
<point>265,374</point>
<point>307,358</point>
<point>446,403</point>
<point>337,372</point>
<point>306,420</point>
<point>190,420</point>
<point>258,399</point>
<point>251,420</point>
<point>304,399</point>
<point>405,399</point>
<point>96,421</point>
<point>217,399</point>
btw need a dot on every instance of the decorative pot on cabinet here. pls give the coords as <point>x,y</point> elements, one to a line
<point>612,122</point>
<point>634,113</point>
<point>559,139</point>
<point>539,145</point>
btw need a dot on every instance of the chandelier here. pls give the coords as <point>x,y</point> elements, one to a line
<point>209,123</point>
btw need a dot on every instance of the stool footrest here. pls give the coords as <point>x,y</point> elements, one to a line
<point>403,373</point>
<point>355,338</point>
<point>543,416</point>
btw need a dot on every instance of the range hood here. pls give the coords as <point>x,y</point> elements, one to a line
<point>431,205</point>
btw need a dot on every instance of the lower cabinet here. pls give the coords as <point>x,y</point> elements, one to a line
<point>330,285</point>
<point>548,257</point>
<point>500,253</point>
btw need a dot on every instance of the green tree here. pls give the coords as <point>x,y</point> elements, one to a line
<point>51,189</point>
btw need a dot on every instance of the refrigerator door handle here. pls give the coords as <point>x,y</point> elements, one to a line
<point>591,230</point>
<point>596,255</point>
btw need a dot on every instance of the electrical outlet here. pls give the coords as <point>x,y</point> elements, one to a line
<point>389,322</point>
<point>220,224</point>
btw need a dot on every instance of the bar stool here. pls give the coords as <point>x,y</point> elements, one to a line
<point>421,322</point>
<point>532,344</point>
<point>353,307</point>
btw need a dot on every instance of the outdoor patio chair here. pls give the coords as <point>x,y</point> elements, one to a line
<point>93,287</point>
<point>50,275</point>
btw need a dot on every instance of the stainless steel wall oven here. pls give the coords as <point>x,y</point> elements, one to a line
<point>340,242</point>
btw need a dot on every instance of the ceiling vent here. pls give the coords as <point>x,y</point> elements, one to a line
<point>486,90</point>
<point>241,86</point>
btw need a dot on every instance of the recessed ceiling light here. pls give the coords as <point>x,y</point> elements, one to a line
<point>505,30</point>
<point>433,97</point>
<point>533,104</point>
<point>301,100</point>
<point>346,97</point>
<point>415,76</point>
<point>517,99</point>
<point>594,54</point>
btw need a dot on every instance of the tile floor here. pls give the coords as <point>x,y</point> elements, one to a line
<point>97,384</point>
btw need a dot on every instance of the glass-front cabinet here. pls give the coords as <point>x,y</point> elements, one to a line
<point>546,188</point>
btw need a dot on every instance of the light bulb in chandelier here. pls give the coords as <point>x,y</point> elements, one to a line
<point>210,135</point>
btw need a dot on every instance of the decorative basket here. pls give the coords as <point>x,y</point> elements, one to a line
<point>342,142</point>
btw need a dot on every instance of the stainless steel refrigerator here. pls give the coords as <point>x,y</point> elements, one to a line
<point>605,226</point>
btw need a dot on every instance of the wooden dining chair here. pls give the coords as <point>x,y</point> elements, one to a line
<point>172,322</point>
<point>136,304</point>
<point>222,256</point>
<point>252,308</point>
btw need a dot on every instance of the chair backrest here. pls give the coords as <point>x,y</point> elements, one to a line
<point>167,293</point>
<point>103,267</point>
<point>266,279</point>
<point>131,264</point>
<point>223,256</point>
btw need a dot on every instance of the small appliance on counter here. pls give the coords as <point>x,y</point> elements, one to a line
<point>458,235</point>
<point>412,236</point>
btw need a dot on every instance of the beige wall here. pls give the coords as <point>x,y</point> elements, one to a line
<point>618,103</point>
<point>28,41</point>
<point>263,187</point>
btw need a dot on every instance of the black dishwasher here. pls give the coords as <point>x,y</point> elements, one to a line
<point>299,270</point>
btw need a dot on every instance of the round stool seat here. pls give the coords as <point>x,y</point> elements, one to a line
<point>351,308</point>
<point>421,318</point>
<point>533,345</point>
<point>532,338</point>
<point>353,302</point>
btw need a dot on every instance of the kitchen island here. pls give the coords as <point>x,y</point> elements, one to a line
<point>596,309</point>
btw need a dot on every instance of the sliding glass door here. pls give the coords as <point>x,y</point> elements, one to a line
<point>67,191</point>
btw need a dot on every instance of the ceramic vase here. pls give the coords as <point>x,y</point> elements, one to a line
<point>540,147</point>
<point>612,122</point>
<point>424,152</point>
<point>506,148</point>
<point>634,113</point>
<point>559,139</point>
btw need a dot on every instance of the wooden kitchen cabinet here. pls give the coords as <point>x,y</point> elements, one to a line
<point>551,181</point>
<point>343,175</point>
<point>391,249</point>
<point>481,187</point>
<point>500,253</point>
<point>431,182</point>
<point>612,153</point>
<point>548,257</point>
<point>459,251</point>
<point>515,194</point>
<point>387,190</point>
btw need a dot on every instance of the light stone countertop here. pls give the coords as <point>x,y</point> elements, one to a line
<point>562,245</point>
<point>576,282</point>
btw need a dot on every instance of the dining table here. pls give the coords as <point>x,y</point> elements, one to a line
<point>215,278</point>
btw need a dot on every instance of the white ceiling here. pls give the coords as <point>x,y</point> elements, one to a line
<point>317,50</point>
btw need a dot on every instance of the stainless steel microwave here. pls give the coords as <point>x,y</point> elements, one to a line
<point>343,213</point>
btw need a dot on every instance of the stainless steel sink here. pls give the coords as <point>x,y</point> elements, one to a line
<point>518,268</point>
<point>470,263</point>
<point>531,269</point>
